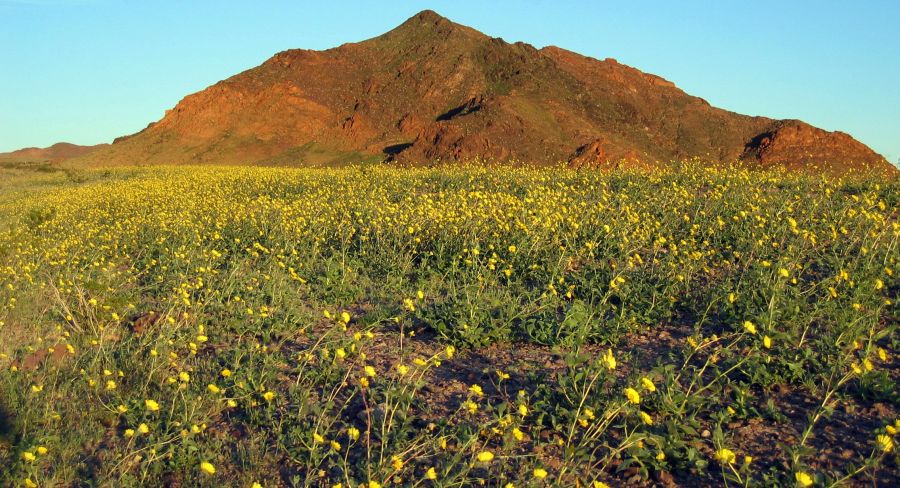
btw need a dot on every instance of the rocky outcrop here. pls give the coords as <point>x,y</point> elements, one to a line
<point>793,143</point>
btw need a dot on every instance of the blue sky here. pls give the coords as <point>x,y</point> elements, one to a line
<point>86,71</point>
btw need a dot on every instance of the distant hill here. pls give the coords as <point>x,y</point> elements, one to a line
<point>57,152</point>
<point>432,89</point>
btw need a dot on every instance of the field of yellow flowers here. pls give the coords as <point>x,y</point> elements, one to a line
<point>458,326</point>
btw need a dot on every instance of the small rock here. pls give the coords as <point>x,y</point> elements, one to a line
<point>664,478</point>
<point>362,416</point>
<point>144,322</point>
<point>882,409</point>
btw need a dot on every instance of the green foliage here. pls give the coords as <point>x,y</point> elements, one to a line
<point>315,327</point>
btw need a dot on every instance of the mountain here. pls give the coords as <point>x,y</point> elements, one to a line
<point>432,89</point>
<point>57,152</point>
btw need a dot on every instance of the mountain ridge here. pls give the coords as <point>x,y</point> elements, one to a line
<point>57,152</point>
<point>431,89</point>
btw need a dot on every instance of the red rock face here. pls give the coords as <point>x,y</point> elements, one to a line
<point>432,89</point>
<point>795,144</point>
<point>591,154</point>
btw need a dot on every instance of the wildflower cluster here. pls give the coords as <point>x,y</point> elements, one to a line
<point>446,327</point>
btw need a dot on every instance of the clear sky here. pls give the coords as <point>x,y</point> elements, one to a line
<point>86,71</point>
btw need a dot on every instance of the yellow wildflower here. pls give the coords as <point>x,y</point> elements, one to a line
<point>884,443</point>
<point>803,479</point>
<point>749,327</point>
<point>518,434</point>
<point>632,395</point>
<point>610,360</point>
<point>725,456</point>
<point>485,456</point>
